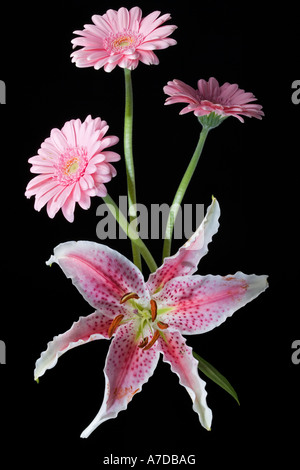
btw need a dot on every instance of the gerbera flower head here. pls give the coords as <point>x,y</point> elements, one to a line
<point>122,38</point>
<point>72,166</point>
<point>210,97</point>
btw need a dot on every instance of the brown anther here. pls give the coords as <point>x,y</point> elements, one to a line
<point>114,325</point>
<point>144,342</point>
<point>153,306</point>
<point>162,325</point>
<point>128,296</point>
<point>154,338</point>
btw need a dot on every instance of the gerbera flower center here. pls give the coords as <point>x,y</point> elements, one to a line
<point>122,42</point>
<point>71,165</point>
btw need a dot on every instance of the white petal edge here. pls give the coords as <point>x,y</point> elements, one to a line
<point>50,356</point>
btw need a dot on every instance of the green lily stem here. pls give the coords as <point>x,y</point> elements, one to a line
<point>181,191</point>
<point>128,123</point>
<point>131,233</point>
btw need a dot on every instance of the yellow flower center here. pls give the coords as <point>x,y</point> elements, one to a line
<point>147,321</point>
<point>122,42</point>
<point>71,166</point>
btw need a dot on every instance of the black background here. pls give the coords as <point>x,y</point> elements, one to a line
<point>252,170</point>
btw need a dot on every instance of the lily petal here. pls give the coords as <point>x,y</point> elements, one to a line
<point>185,261</point>
<point>86,329</point>
<point>200,303</point>
<point>182,362</point>
<point>101,275</point>
<point>127,368</point>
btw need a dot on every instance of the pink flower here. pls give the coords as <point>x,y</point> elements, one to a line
<point>147,318</point>
<point>122,38</point>
<point>210,97</point>
<point>72,165</point>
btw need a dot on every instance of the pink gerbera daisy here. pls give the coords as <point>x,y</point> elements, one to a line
<point>72,165</point>
<point>122,38</point>
<point>210,97</point>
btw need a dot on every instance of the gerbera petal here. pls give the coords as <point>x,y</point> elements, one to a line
<point>112,17</point>
<point>101,23</point>
<point>153,21</point>
<point>39,169</point>
<point>85,201</point>
<point>127,369</point>
<point>101,190</point>
<point>161,32</point>
<point>81,62</point>
<point>68,207</point>
<point>148,57</point>
<point>56,202</point>
<point>59,140</point>
<point>185,261</point>
<point>158,44</point>
<point>91,42</point>
<point>201,303</point>
<point>93,30</point>
<point>60,198</point>
<point>114,58</point>
<point>100,63</point>
<point>110,156</point>
<point>86,329</point>
<point>97,54</point>
<point>147,22</point>
<point>36,183</point>
<point>108,141</point>
<point>76,192</point>
<point>180,92</point>
<point>135,18</point>
<point>88,181</point>
<point>69,132</point>
<point>123,18</point>
<point>182,362</point>
<point>41,160</point>
<point>45,194</point>
<point>101,275</point>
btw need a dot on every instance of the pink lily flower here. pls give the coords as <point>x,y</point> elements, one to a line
<point>147,318</point>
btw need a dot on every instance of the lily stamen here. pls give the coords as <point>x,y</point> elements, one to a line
<point>153,340</point>
<point>128,296</point>
<point>143,343</point>
<point>114,324</point>
<point>153,305</point>
<point>162,325</point>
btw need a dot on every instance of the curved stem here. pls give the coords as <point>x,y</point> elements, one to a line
<point>181,191</point>
<point>128,123</point>
<point>131,233</point>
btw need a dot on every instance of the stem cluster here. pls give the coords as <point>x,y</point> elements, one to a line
<point>139,248</point>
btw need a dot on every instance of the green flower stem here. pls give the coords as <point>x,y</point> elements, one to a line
<point>131,233</point>
<point>128,121</point>
<point>181,191</point>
